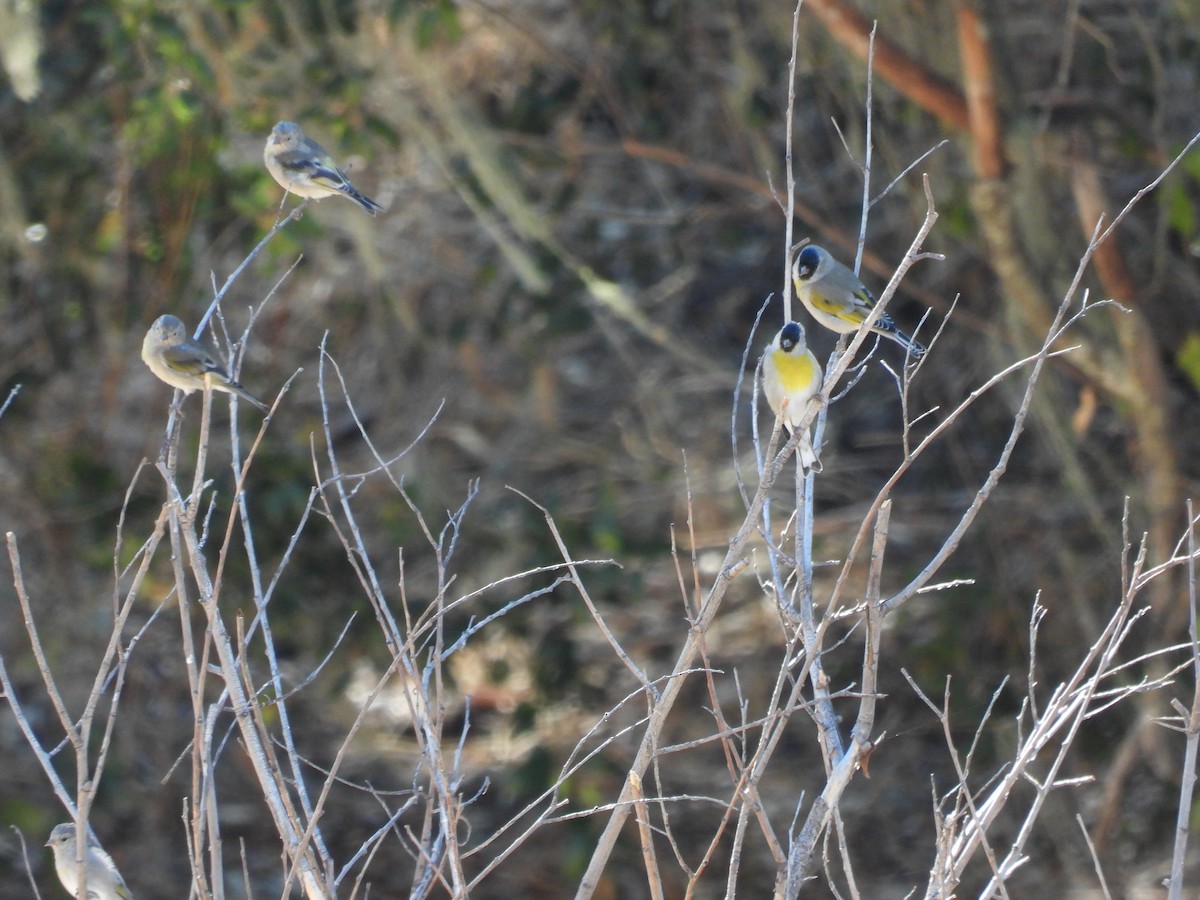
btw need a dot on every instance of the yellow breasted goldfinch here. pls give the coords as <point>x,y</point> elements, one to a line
<point>302,167</point>
<point>791,378</point>
<point>182,362</point>
<point>838,300</point>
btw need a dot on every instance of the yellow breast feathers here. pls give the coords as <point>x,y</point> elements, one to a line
<point>796,371</point>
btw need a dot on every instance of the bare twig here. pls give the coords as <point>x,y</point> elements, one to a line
<point>233,276</point>
<point>1192,727</point>
<point>12,395</point>
<point>789,171</point>
<point>1087,838</point>
<point>649,858</point>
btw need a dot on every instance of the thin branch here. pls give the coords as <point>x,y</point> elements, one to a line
<point>1187,786</point>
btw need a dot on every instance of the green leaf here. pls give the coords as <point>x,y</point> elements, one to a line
<point>1188,358</point>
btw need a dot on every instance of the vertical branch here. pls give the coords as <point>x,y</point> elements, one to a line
<point>867,153</point>
<point>789,169</point>
<point>236,694</point>
<point>110,675</point>
<point>802,854</point>
<point>1142,379</point>
<point>1191,720</point>
<point>811,632</point>
<point>730,566</point>
<point>865,724</point>
<point>241,470</point>
<point>241,705</point>
<point>802,851</point>
<point>51,685</point>
<point>987,137</point>
<point>203,774</point>
<point>203,806</point>
<point>438,845</point>
<point>908,75</point>
<point>990,194</point>
<point>649,859</point>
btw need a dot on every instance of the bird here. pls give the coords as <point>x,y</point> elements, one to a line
<point>302,167</point>
<point>791,377</point>
<point>838,300</point>
<point>182,362</point>
<point>104,882</point>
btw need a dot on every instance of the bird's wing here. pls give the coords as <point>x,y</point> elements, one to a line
<point>189,360</point>
<point>315,167</point>
<point>853,309</point>
<point>850,309</point>
<point>864,300</point>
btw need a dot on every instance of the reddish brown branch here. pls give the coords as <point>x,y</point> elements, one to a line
<point>986,134</point>
<point>907,75</point>
<point>1143,378</point>
<point>1091,202</point>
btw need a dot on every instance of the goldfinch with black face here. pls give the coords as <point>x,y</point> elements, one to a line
<point>182,362</point>
<point>838,300</point>
<point>791,378</point>
<point>302,167</point>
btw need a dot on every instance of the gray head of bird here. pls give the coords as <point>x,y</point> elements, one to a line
<point>808,262</point>
<point>169,330</point>
<point>286,134</point>
<point>61,835</point>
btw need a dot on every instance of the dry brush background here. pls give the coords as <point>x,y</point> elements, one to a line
<point>583,220</point>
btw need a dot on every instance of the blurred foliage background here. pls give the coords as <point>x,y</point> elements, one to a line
<point>583,220</point>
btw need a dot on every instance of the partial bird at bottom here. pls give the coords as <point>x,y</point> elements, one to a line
<point>104,882</point>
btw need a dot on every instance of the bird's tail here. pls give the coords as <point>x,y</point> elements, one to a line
<point>808,456</point>
<point>363,200</point>
<point>248,397</point>
<point>914,347</point>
